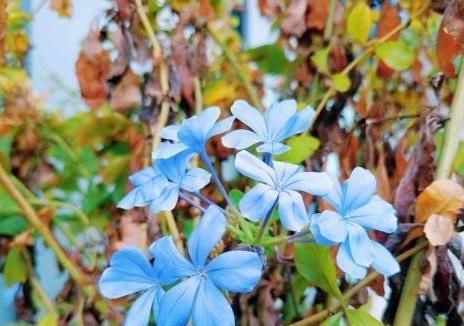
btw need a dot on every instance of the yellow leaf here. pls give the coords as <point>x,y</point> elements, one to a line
<point>50,319</point>
<point>442,197</point>
<point>439,229</point>
<point>359,22</point>
<point>341,82</point>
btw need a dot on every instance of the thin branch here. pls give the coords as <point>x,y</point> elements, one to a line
<point>250,89</point>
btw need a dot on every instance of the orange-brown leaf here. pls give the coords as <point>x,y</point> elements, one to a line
<point>439,229</point>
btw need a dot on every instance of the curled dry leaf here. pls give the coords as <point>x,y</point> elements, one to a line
<point>439,230</point>
<point>443,197</point>
<point>127,93</point>
<point>294,22</point>
<point>317,14</point>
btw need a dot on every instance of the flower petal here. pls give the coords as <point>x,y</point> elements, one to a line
<point>335,195</point>
<point>170,132</point>
<point>240,139</point>
<point>273,148</point>
<point>249,116</point>
<point>165,199</point>
<point>142,176</point>
<point>194,131</point>
<point>167,150</point>
<point>358,189</point>
<point>384,262</point>
<point>169,264</point>
<point>316,232</point>
<point>314,183</point>
<point>195,179</point>
<point>139,313</point>
<point>177,304</point>
<point>332,226</point>
<point>257,202</point>
<point>360,245</point>
<point>376,214</point>
<point>292,211</point>
<point>211,307</point>
<point>254,168</point>
<point>347,264</point>
<point>297,124</point>
<point>135,198</point>
<point>129,272</point>
<point>236,271</point>
<point>221,127</point>
<point>277,117</point>
<point>206,235</point>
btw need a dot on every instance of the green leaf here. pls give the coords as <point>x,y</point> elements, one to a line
<point>396,54</point>
<point>315,265</point>
<point>12,225</point>
<point>359,22</point>
<point>320,58</point>
<point>358,317</point>
<point>335,320</point>
<point>341,82</point>
<point>235,196</point>
<point>302,147</point>
<point>15,268</point>
<point>270,59</point>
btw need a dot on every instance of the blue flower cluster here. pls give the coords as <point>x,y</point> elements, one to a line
<point>179,289</point>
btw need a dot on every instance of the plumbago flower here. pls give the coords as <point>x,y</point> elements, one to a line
<point>159,186</point>
<point>193,133</point>
<point>198,294</point>
<point>277,123</point>
<point>358,210</point>
<point>130,272</point>
<point>279,185</point>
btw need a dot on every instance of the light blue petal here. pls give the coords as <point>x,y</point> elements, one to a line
<point>358,189</point>
<point>376,214</point>
<point>156,302</point>
<point>249,116</point>
<point>360,245</point>
<point>211,307</point>
<point>142,176</point>
<point>335,195</point>
<point>153,188</point>
<point>316,232</point>
<point>167,150</point>
<point>277,117</point>
<point>314,183</point>
<point>298,123</point>
<point>174,167</point>
<point>240,139</point>
<point>206,235</point>
<point>170,132</point>
<point>347,264</point>
<point>272,147</point>
<point>139,313</point>
<point>285,172</point>
<point>257,202</point>
<point>236,271</point>
<point>129,272</point>
<point>254,168</point>
<point>194,131</point>
<point>135,198</point>
<point>195,179</point>
<point>332,226</point>
<point>165,199</point>
<point>292,212</point>
<point>221,127</point>
<point>177,303</point>
<point>384,262</point>
<point>169,265</point>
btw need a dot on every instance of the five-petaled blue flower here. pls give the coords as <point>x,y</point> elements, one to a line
<point>193,133</point>
<point>279,184</point>
<point>279,122</point>
<point>358,210</point>
<point>198,295</point>
<point>130,272</point>
<point>159,186</point>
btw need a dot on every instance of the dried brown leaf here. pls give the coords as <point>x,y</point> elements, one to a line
<point>62,7</point>
<point>439,230</point>
<point>317,14</point>
<point>126,94</point>
<point>294,22</point>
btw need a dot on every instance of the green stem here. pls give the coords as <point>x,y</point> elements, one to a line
<point>250,89</point>
<point>330,19</point>
<point>409,294</point>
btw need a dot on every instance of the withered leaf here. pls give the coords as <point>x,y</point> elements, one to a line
<point>62,7</point>
<point>389,19</point>
<point>443,197</point>
<point>127,93</point>
<point>439,229</point>
<point>317,14</point>
<point>294,22</point>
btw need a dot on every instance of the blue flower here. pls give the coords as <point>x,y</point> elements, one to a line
<point>193,133</point>
<point>279,184</point>
<point>130,272</point>
<point>279,122</point>
<point>358,210</point>
<point>159,186</point>
<point>199,293</point>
